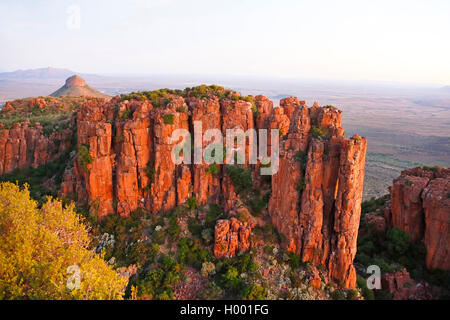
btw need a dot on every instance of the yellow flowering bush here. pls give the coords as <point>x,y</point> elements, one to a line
<point>43,251</point>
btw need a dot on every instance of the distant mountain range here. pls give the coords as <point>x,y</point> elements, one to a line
<point>42,74</point>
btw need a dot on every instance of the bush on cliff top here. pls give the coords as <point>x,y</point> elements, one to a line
<point>126,114</point>
<point>169,118</point>
<point>320,133</point>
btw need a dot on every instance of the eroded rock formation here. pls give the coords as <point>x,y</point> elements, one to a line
<point>26,145</point>
<point>420,206</point>
<point>124,162</point>
<point>231,237</point>
<point>317,192</point>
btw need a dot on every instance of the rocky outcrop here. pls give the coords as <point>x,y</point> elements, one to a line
<point>231,237</point>
<point>134,166</point>
<point>206,113</point>
<point>26,145</point>
<point>378,222</point>
<point>317,192</point>
<point>93,165</point>
<point>420,206</point>
<point>402,287</point>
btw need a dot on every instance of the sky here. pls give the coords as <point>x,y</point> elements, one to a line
<point>395,40</point>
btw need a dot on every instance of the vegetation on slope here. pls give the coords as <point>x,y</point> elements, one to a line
<point>38,245</point>
<point>392,251</point>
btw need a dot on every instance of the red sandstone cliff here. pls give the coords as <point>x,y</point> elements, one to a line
<point>420,206</point>
<point>320,222</point>
<point>316,195</point>
<point>26,142</point>
<point>26,145</point>
<point>124,163</point>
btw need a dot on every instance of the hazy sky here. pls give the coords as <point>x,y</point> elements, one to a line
<point>392,40</point>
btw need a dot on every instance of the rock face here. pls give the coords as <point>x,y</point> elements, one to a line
<point>378,222</point>
<point>402,287</point>
<point>231,237</point>
<point>420,206</point>
<point>316,194</point>
<point>26,145</point>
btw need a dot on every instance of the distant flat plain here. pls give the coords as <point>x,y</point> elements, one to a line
<point>406,126</point>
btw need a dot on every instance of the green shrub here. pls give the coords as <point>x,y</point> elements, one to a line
<point>126,114</point>
<point>213,169</point>
<point>159,283</point>
<point>241,177</point>
<point>270,233</point>
<point>159,237</point>
<point>352,295</point>
<point>190,254</point>
<point>84,156</point>
<point>254,292</point>
<point>373,204</point>
<point>367,293</point>
<point>301,185</point>
<point>302,158</point>
<point>383,295</point>
<point>232,279</point>
<point>191,203</point>
<point>214,214</point>
<point>243,216</point>
<point>169,118</point>
<point>432,169</point>
<point>173,229</point>
<point>256,205</point>
<point>268,249</point>
<point>319,132</point>
<point>294,260</point>
<point>36,177</point>
<point>194,227</point>
<point>338,295</point>
<point>397,242</point>
<point>150,170</point>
